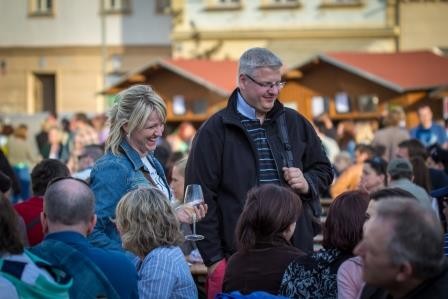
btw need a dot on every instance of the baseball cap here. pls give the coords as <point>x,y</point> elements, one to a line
<point>399,166</point>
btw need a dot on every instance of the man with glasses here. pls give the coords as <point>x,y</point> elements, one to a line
<point>254,141</point>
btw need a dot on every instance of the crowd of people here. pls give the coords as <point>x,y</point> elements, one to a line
<point>99,211</point>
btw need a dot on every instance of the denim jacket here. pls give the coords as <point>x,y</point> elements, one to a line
<point>111,178</point>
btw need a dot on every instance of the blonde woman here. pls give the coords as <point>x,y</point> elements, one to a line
<point>150,229</point>
<point>136,122</point>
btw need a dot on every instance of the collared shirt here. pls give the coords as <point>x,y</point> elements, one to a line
<point>164,273</point>
<point>245,109</point>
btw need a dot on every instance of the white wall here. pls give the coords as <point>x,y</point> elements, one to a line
<point>309,16</point>
<point>77,23</point>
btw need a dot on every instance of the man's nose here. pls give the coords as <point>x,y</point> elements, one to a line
<point>274,89</point>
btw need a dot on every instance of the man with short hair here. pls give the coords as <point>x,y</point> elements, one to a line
<point>401,174</point>
<point>68,217</point>
<point>402,252</point>
<point>254,140</point>
<point>30,209</point>
<point>87,159</point>
<point>428,132</point>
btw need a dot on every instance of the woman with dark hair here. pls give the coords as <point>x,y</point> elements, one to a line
<point>263,234</point>
<point>374,175</point>
<point>421,173</point>
<point>314,276</point>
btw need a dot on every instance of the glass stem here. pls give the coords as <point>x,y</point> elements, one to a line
<point>194,223</point>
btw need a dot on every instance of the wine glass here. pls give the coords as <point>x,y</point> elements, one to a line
<point>193,197</point>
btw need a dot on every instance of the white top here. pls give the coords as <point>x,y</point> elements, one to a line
<point>155,177</point>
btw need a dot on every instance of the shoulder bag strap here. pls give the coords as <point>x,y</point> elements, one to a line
<point>288,160</point>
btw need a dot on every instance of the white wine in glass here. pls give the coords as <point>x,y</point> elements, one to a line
<point>193,197</point>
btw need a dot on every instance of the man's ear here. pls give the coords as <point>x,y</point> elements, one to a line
<point>44,222</point>
<point>405,272</point>
<point>91,224</point>
<point>242,81</point>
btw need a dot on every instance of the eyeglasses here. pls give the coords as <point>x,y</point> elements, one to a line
<point>267,85</point>
<point>53,181</point>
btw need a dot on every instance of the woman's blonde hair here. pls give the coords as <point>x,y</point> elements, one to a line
<point>133,107</point>
<point>146,221</point>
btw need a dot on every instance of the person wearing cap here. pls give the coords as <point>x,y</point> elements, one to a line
<point>401,173</point>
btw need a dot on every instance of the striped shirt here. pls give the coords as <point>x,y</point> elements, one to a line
<point>445,245</point>
<point>164,273</point>
<point>267,168</point>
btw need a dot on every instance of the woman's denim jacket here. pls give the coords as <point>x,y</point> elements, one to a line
<point>111,178</point>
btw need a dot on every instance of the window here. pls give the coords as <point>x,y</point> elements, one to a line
<point>163,7</point>
<point>179,107</point>
<point>41,7</point>
<point>368,103</point>
<point>116,6</point>
<point>341,3</point>
<point>222,4</point>
<point>342,102</point>
<point>199,106</point>
<point>273,4</point>
<point>319,105</point>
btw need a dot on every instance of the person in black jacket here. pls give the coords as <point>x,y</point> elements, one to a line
<point>253,141</point>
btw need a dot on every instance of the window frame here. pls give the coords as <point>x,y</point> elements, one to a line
<point>341,3</point>
<point>220,5</point>
<point>123,8</point>
<point>285,4</point>
<point>35,10</point>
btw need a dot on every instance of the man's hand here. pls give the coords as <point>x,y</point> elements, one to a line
<point>184,213</point>
<point>296,180</point>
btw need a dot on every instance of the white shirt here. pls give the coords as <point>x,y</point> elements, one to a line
<point>155,177</point>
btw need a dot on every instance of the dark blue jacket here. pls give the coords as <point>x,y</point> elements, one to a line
<point>88,280</point>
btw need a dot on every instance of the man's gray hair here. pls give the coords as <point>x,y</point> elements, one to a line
<point>69,201</point>
<point>417,235</point>
<point>255,58</point>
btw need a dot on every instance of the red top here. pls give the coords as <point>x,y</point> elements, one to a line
<point>30,211</point>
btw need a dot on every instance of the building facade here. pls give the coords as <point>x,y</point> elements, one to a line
<point>295,29</point>
<point>58,55</point>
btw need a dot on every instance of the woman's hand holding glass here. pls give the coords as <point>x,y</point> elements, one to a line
<point>184,212</point>
<point>194,201</point>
